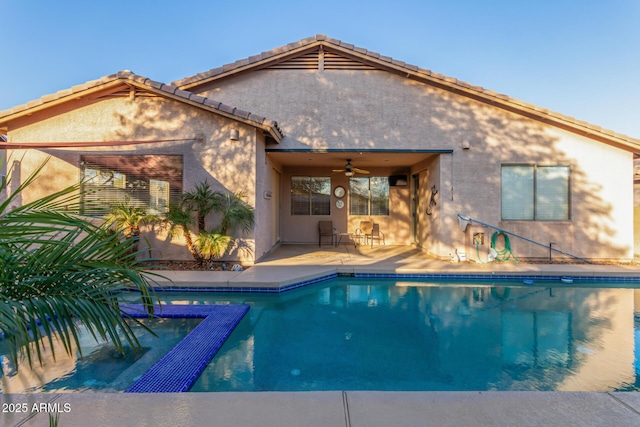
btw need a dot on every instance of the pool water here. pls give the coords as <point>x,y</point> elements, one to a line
<point>370,334</point>
<point>100,367</point>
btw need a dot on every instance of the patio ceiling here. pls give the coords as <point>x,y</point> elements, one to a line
<point>360,159</point>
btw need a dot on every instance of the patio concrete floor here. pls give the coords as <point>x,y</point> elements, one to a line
<point>294,263</point>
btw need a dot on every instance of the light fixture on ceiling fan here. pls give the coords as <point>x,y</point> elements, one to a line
<point>350,170</point>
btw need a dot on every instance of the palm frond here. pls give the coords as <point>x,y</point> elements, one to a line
<point>212,245</point>
<point>59,270</point>
<point>235,212</point>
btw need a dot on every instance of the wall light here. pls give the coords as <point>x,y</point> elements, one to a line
<point>466,144</point>
<point>234,135</point>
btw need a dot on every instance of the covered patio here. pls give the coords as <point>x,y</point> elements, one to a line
<point>348,186</point>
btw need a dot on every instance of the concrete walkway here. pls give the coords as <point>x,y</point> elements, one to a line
<point>326,409</point>
<point>295,263</point>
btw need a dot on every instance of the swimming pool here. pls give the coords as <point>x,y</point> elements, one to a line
<point>100,367</point>
<point>384,334</point>
<point>387,334</point>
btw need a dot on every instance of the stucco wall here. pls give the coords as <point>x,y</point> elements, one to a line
<point>374,109</point>
<point>228,165</point>
<point>428,216</point>
<point>267,201</point>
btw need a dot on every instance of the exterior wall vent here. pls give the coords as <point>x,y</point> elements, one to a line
<point>308,61</point>
<point>333,61</point>
<point>320,59</point>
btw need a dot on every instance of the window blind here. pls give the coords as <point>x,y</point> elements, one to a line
<point>310,195</point>
<point>552,195</point>
<point>151,182</point>
<point>517,192</point>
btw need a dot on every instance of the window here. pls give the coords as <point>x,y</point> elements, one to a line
<point>310,195</point>
<point>369,196</point>
<point>151,182</point>
<point>533,192</point>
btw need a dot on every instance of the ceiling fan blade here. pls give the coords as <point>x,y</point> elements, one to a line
<point>362,171</point>
<point>338,170</point>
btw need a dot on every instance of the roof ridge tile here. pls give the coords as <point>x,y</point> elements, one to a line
<point>168,88</point>
<point>241,113</point>
<point>197,98</point>
<point>332,41</point>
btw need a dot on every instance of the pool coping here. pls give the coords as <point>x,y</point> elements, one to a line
<point>276,279</point>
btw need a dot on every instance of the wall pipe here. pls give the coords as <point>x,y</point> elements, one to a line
<point>468,219</point>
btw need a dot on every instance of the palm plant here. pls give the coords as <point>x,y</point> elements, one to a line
<point>58,270</point>
<point>127,218</point>
<point>202,200</point>
<point>179,219</point>
<point>215,242</point>
<point>212,245</point>
<point>235,212</point>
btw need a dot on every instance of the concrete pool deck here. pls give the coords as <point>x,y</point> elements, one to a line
<point>294,263</point>
<point>291,264</point>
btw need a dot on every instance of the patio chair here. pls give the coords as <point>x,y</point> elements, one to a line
<point>325,228</point>
<point>364,231</point>
<point>376,234</point>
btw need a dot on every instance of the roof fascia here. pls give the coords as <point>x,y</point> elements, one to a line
<point>160,89</point>
<point>61,97</point>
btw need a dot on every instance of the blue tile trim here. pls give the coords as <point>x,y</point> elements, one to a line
<point>245,289</point>
<point>178,370</point>
<point>483,276</point>
<point>497,276</point>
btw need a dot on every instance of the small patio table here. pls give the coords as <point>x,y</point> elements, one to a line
<point>350,236</point>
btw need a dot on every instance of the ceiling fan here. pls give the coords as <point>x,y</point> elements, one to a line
<point>350,170</point>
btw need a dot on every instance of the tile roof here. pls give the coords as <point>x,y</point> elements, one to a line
<point>421,74</point>
<point>129,77</point>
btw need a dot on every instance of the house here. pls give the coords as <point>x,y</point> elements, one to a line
<point>297,125</point>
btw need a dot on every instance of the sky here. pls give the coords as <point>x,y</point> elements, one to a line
<point>580,58</point>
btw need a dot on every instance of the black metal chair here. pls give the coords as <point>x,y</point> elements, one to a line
<point>325,228</point>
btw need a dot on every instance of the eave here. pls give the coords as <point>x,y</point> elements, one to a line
<point>113,83</point>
